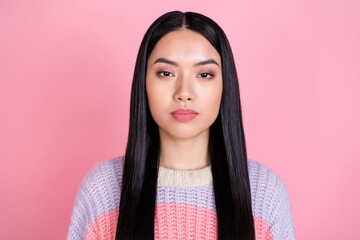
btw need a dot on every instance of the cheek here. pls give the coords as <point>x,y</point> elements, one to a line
<point>213,97</point>
<point>218,95</point>
<point>212,103</point>
<point>156,101</point>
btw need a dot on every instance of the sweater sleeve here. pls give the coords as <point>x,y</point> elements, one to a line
<point>99,193</point>
<point>82,212</point>
<point>270,201</point>
<point>281,220</point>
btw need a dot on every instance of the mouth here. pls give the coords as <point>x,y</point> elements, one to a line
<point>184,117</point>
<point>183,111</point>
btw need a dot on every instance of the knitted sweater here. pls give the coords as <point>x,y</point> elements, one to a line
<point>185,204</point>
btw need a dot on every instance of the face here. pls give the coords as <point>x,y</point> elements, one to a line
<point>179,76</point>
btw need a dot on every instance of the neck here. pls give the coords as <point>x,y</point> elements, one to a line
<point>184,154</point>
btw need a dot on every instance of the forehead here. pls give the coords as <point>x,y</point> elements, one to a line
<point>184,45</point>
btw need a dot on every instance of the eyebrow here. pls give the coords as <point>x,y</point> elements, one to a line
<point>204,62</point>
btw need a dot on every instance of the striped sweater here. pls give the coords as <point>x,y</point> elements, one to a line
<point>185,204</point>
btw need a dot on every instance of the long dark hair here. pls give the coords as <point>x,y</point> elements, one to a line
<point>227,146</point>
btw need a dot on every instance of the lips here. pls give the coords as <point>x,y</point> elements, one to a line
<point>184,115</point>
<point>184,111</point>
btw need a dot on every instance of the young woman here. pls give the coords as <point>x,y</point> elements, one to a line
<point>185,173</point>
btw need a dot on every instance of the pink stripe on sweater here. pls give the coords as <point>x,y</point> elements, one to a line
<point>173,221</point>
<point>262,230</point>
<point>104,226</point>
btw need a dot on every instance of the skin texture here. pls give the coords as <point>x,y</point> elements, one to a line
<point>184,145</point>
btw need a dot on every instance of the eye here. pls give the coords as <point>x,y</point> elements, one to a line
<point>205,75</point>
<point>166,74</point>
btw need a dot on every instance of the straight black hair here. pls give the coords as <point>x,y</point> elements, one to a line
<point>227,146</point>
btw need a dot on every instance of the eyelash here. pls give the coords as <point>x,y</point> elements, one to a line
<point>208,74</point>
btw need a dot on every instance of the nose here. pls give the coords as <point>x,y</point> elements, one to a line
<point>184,90</point>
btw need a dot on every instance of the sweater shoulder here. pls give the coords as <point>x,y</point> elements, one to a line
<point>261,175</point>
<point>99,193</point>
<point>111,168</point>
<point>266,188</point>
<point>270,200</point>
<point>102,183</point>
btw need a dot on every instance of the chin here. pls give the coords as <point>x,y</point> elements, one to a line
<point>182,133</point>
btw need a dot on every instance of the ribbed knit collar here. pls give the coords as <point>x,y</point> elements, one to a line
<point>185,178</point>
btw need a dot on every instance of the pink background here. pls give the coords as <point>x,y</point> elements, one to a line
<point>65,75</point>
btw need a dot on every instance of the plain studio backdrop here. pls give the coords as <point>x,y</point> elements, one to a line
<point>66,69</point>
